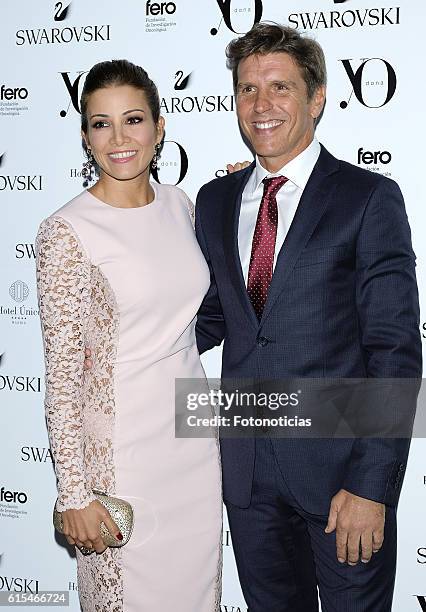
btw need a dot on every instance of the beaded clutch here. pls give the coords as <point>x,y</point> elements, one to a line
<point>121,513</point>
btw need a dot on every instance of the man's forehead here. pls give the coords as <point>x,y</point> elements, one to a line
<point>262,64</point>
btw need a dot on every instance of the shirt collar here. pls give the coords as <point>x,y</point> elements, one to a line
<point>298,170</point>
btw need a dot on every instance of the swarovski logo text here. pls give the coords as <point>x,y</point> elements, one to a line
<point>347,19</point>
<point>208,104</point>
<point>21,183</point>
<point>89,33</point>
<point>20,383</point>
<point>19,585</point>
<point>25,250</point>
<point>36,454</point>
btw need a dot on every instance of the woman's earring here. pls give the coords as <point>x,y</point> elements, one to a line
<point>156,157</point>
<point>88,169</point>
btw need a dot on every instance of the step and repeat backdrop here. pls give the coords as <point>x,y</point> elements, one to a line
<point>374,118</point>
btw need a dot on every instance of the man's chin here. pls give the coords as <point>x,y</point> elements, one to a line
<point>269,154</point>
<point>268,148</point>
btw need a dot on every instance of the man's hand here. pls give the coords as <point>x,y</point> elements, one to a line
<point>359,525</point>
<point>238,166</point>
<point>88,363</point>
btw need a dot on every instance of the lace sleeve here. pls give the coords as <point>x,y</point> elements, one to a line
<point>63,285</point>
<point>191,210</point>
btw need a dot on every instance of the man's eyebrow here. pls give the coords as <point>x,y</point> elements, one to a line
<point>287,82</point>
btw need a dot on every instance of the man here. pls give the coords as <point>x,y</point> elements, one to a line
<point>341,302</point>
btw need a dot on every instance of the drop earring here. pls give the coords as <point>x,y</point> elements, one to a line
<point>154,162</point>
<point>88,169</point>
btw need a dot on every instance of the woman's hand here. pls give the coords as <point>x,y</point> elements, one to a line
<point>238,166</point>
<point>82,527</point>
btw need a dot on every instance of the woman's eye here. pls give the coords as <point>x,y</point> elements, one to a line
<point>134,120</point>
<point>99,124</point>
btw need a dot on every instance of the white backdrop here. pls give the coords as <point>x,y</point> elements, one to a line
<point>373,117</point>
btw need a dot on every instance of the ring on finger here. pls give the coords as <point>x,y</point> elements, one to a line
<point>85,550</point>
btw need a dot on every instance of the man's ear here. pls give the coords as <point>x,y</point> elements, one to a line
<point>318,101</point>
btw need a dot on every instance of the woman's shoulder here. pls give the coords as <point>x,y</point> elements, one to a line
<point>173,193</point>
<point>68,213</point>
<point>170,191</point>
<point>176,194</point>
<point>63,222</point>
<point>71,208</point>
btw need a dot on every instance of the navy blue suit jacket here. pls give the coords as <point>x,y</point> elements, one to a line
<point>343,302</point>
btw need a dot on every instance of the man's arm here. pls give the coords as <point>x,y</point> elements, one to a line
<point>210,327</point>
<point>388,316</point>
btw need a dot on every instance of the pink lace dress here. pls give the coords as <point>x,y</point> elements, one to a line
<point>128,284</point>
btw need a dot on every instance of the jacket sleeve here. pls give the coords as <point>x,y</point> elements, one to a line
<point>388,317</point>
<point>63,285</point>
<point>210,328</point>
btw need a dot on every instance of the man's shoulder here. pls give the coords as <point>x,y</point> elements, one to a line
<point>222,185</point>
<point>356,173</point>
<point>352,174</point>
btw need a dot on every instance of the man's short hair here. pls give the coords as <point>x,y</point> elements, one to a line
<point>265,38</point>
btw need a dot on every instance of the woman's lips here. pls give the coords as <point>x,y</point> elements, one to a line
<point>122,157</point>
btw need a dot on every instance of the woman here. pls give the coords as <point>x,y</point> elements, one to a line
<point>119,270</point>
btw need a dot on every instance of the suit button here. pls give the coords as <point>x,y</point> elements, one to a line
<point>262,341</point>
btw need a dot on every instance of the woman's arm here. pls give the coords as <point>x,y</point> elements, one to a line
<point>63,284</point>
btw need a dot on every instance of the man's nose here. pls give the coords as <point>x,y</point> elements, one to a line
<point>262,102</point>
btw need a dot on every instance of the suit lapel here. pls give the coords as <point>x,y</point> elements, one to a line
<point>311,208</point>
<point>230,238</point>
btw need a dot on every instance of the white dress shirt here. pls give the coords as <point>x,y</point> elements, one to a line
<point>298,171</point>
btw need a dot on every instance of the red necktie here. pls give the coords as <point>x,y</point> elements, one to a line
<point>263,245</point>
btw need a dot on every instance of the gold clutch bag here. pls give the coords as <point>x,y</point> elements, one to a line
<point>121,513</point>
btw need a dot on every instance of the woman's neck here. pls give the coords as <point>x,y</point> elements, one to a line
<point>124,194</point>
